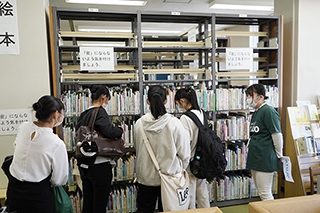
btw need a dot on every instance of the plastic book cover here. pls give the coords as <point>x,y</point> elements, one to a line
<point>302,146</point>
<point>313,112</point>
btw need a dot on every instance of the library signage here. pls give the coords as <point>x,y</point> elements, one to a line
<point>9,37</point>
<point>239,58</point>
<point>97,59</point>
<point>10,120</point>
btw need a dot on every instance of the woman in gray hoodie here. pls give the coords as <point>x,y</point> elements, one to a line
<point>170,143</point>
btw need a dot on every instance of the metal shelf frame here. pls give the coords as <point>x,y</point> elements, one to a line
<point>206,29</point>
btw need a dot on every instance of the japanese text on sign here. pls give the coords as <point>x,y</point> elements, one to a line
<point>239,58</point>
<point>9,39</point>
<point>97,58</point>
<point>10,120</point>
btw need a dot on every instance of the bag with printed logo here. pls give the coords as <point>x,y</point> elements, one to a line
<point>175,194</point>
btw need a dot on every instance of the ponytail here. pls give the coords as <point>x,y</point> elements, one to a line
<point>156,97</point>
<point>188,94</point>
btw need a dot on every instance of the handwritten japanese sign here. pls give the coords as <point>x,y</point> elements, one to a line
<point>10,120</point>
<point>9,37</point>
<point>97,59</point>
<point>239,58</point>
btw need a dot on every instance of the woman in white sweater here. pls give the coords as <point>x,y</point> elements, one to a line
<point>170,143</point>
<point>186,99</point>
<point>39,161</point>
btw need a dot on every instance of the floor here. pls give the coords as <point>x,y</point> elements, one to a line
<point>235,209</point>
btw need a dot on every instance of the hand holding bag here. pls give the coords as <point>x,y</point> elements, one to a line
<point>174,188</point>
<point>106,146</point>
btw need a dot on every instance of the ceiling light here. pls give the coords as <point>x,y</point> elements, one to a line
<point>241,7</point>
<point>109,2</point>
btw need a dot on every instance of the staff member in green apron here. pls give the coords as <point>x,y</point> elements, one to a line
<point>266,142</point>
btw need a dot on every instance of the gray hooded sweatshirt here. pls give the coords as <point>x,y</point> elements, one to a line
<point>170,143</point>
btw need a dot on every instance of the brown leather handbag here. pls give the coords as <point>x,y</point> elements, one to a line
<point>106,146</point>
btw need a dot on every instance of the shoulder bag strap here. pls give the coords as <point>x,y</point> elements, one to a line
<point>149,148</point>
<point>93,119</point>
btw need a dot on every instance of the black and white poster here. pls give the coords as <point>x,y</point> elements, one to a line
<point>9,36</point>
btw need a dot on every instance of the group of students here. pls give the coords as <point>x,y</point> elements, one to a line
<point>40,157</point>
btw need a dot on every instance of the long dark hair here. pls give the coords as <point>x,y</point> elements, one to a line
<point>188,94</point>
<point>257,88</point>
<point>156,96</point>
<point>98,90</point>
<point>46,106</point>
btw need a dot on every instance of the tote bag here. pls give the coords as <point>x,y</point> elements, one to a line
<point>62,200</point>
<point>174,188</point>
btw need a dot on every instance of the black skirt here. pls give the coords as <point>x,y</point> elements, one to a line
<point>25,197</point>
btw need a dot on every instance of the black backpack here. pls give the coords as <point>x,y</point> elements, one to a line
<point>209,160</point>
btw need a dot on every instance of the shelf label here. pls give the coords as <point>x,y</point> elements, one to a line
<point>9,36</point>
<point>239,58</point>
<point>175,13</point>
<point>11,119</point>
<point>97,59</point>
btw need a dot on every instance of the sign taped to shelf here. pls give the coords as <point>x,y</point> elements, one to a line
<point>97,59</point>
<point>11,119</point>
<point>239,58</point>
<point>9,36</point>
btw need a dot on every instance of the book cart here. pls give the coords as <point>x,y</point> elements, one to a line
<point>142,61</point>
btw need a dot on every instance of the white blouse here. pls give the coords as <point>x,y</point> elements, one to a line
<point>34,159</point>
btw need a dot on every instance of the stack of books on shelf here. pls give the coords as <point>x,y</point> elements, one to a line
<point>125,168</point>
<point>231,99</point>
<point>235,98</point>
<point>127,135</point>
<point>76,102</point>
<point>123,198</point>
<point>122,102</point>
<point>307,145</point>
<point>273,93</point>
<point>233,186</point>
<point>210,186</point>
<point>76,201</point>
<point>233,128</point>
<point>206,99</point>
<point>236,154</point>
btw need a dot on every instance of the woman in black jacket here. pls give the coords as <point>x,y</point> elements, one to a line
<point>96,171</point>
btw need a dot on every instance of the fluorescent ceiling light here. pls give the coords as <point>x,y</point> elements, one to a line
<point>128,31</point>
<point>109,2</point>
<point>241,7</point>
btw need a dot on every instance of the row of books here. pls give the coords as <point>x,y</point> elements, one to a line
<point>125,168</point>
<point>233,128</point>
<point>76,202</point>
<point>122,102</point>
<point>123,198</point>
<point>308,145</point>
<point>69,132</point>
<point>236,154</point>
<point>206,99</point>
<point>238,186</point>
<point>235,98</point>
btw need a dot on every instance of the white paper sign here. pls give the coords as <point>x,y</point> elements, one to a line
<point>97,59</point>
<point>192,35</point>
<point>287,169</point>
<point>11,119</point>
<point>9,36</point>
<point>239,58</point>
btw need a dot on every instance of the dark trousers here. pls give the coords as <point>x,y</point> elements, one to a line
<point>27,197</point>
<point>147,197</point>
<point>96,183</point>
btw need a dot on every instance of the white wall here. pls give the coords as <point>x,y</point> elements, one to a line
<point>25,77</point>
<point>308,84</point>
